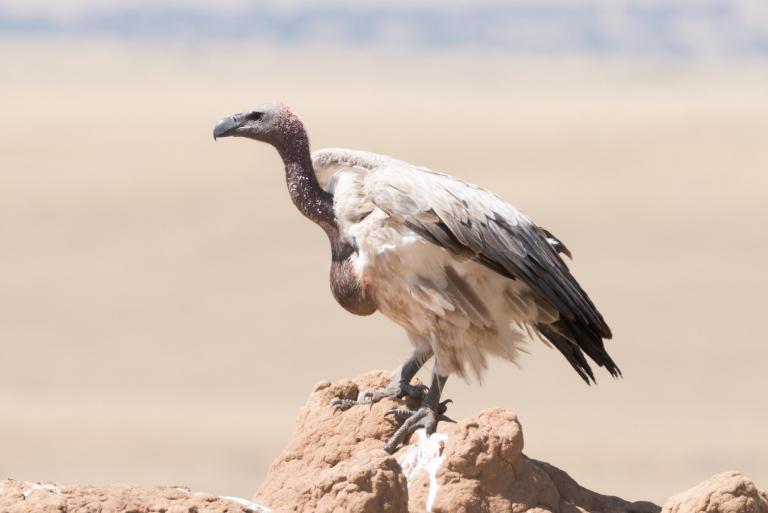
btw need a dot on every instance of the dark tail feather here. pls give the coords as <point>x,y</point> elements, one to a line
<point>571,352</point>
<point>571,338</point>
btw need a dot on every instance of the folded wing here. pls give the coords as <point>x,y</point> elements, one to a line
<point>472,222</point>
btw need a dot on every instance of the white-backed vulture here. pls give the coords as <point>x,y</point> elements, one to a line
<point>465,273</point>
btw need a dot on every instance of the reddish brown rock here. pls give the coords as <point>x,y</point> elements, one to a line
<point>335,463</point>
<point>485,470</point>
<point>336,460</point>
<point>729,492</point>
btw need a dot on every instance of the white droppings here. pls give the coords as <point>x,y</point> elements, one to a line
<point>425,455</point>
<point>248,504</point>
<point>47,487</point>
<point>258,508</point>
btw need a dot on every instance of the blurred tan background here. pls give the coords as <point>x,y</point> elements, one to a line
<point>164,310</point>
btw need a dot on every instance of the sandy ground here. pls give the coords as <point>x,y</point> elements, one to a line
<point>164,311</point>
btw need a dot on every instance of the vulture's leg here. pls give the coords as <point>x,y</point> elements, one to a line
<point>427,416</point>
<point>400,386</point>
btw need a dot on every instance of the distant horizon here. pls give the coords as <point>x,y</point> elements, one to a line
<point>678,29</point>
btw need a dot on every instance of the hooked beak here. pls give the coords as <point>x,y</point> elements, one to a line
<point>227,126</point>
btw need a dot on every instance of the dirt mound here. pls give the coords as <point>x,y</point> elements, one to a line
<point>729,492</point>
<point>336,463</point>
<point>337,460</point>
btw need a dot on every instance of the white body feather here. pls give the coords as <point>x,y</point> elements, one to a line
<point>462,309</point>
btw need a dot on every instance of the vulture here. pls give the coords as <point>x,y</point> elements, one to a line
<point>464,272</point>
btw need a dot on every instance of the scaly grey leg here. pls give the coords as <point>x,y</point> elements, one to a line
<point>400,386</point>
<point>427,416</point>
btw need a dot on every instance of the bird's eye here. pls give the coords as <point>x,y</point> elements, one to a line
<point>255,116</point>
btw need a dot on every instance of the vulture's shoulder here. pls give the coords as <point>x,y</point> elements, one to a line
<point>331,162</point>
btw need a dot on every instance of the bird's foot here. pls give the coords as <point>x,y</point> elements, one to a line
<point>425,417</point>
<point>396,389</point>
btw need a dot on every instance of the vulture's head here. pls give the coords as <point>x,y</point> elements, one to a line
<point>272,123</point>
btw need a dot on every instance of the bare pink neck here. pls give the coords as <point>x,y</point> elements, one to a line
<point>311,200</point>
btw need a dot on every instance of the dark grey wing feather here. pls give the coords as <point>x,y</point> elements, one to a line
<point>472,222</point>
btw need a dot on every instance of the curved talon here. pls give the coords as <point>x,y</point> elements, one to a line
<point>425,417</point>
<point>399,413</point>
<point>342,404</point>
<point>396,389</point>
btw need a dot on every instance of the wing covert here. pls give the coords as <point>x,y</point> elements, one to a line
<point>468,220</point>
